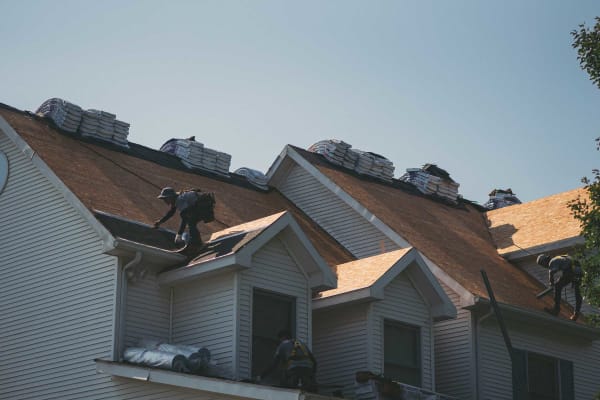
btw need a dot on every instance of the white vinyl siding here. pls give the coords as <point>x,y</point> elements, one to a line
<point>273,269</point>
<point>340,343</point>
<point>454,352</point>
<point>147,315</point>
<point>402,303</point>
<point>57,292</point>
<point>341,221</point>
<point>203,316</point>
<point>495,367</point>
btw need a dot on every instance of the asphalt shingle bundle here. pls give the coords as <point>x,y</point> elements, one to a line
<point>366,163</point>
<point>194,155</point>
<point>253,176</point>
<point>88,123</point>
<point>66,115</point>
<point>439,184</point>
<point>500,198</point>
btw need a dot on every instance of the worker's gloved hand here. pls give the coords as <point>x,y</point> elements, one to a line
<point>156,224</point>
<point>178,239</point>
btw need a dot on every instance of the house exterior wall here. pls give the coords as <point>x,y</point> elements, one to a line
<point>454,370</point>
<point>343,223</point>
<point>57,306</point>
<point>147,311</point>
<point>273,269</point>
<point>495,367</point>
<point>402,303</point>
<point>340,345</point>
<point>203,315</point>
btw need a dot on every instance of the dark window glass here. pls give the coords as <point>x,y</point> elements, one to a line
<point>402,353</point>
<point>542,377</point>
<point>271,312</point>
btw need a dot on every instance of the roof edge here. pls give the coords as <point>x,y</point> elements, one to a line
<point>105,236</point>
<point>544,248</point>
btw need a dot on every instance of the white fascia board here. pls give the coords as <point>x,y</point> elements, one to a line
<point>187,273</point>
<point>21,144</point>
<point>564,244</point>
<point>360,295</point>
<point>156,255</point>
<point>346,198</point>
<point>222,387</point>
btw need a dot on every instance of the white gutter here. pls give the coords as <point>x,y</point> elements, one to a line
<point>123,301</point>
<point>222,387</point>
<point>158,256</point>
<point>545,248</point>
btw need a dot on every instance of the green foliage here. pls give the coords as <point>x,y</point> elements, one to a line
<point>587,42</point>
<point>587,212</point>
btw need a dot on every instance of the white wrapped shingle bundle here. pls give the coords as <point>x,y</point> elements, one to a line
<point>253,176</point>
<point>333,150</point>
<point>431,184</point>
<point>104,125</point>
<point>66,115</point>
<point>155,358</point>
<point>374,165</point>
<point>194,155</point>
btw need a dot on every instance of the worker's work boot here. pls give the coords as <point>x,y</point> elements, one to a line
<point>574,316</point>
<point>552,311</point>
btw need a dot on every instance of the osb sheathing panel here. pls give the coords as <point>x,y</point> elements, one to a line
<point>127,186</point>
<point>455,238</point>
<point>539,222</point>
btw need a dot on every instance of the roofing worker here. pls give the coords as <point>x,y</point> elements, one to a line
<point>570,273</point>
<point>190,211</point>
<point>295,361</point>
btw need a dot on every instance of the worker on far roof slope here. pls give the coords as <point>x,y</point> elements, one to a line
<point>295,361</point>
<point>570,273</point>
<point>190,209</point>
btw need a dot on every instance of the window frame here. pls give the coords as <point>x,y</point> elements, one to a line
<point>417,330</point>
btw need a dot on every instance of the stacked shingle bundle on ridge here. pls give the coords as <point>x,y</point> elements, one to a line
<point>253,176</point>
<point>89,123</point>
<point>501,198</point>
<point>430,179</point>
<point>66,116</point>
<point>194,155</point>
<point>104,125</point>
<point>366,163</point>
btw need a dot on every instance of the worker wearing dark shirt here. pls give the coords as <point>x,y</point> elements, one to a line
<point>187,204</point>
<point>570,273</point>
<point>295,361</point>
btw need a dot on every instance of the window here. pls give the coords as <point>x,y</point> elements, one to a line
<point>540,377</point>
<point>402,353</point>
<point>271,312</point>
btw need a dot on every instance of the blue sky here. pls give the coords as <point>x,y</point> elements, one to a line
<point>490,91</point>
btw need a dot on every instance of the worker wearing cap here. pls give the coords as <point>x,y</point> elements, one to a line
<point>186,202</point>
<point>295,361</point>
<point>570,273</point>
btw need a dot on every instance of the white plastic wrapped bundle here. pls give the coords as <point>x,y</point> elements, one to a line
<point>194,155</point>
<point>65,115</point>
<point>155,358</point>
<point>104,125</point>
<point>253,176</point>
<point>431,184</point>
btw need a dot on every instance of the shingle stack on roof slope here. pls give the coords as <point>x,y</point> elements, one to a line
<point>253,176</point>
<point>501,198</point>
<point>194,155</point>
<point>92,123</point>
<point>363,162</point>
<point>431,179</point>
<point>66,115</point>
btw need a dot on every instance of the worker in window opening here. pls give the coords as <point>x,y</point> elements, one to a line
<point>570,273</point>
<point>187,204</point>
<point>295,361</point>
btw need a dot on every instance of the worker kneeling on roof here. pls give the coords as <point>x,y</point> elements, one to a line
<point>192,208</point>
<point>295,361</point>
<point>570,273</point>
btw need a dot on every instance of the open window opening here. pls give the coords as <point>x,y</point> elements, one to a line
<point>402,352</point>
<point>271,312</point>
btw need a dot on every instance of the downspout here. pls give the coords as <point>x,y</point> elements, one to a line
<point>123,301</point>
